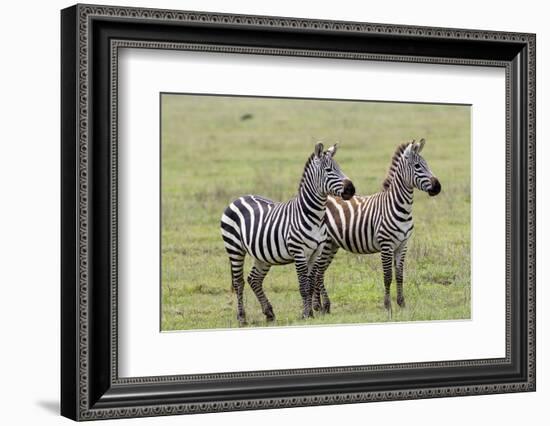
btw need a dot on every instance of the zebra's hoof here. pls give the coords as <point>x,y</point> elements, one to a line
<point>326,309</point>
<point>401,301</point>
<point>387,302</point>
<point>307,315</point>
<point>242,321</point>
<point>269,314</point>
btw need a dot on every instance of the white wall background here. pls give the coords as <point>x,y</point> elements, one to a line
<point>29,214</point>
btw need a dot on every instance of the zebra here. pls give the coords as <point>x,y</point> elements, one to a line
<point>380,222</point>
<point>279,233</point>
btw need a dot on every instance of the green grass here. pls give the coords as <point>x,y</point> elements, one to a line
<point>210,156</point>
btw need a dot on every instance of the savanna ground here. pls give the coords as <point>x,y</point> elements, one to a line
<point>215,149</point>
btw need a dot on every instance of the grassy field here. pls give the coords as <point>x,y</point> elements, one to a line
<point>215,149</point>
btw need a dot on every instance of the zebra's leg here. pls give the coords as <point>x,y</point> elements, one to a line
<point>387,260</point>
<point>237,280</point>
<point>313,268</point>
<point>321,300</point>
<point>256,279</point>
<point>326,301</point>
<point>304,281</point>
<point>399,261</point>
<point>315,289</point>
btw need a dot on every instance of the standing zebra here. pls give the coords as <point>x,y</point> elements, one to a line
<point>381,222</point>
<point>281,233</point>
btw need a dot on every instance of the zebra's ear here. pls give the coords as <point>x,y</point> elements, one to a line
<point>319,149</point>
<point>408,150</point>
<point>332,150</point>
<point>421,145</point>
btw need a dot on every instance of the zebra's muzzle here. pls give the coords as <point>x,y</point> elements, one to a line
<point>349,190</point>
<point>435,188</point>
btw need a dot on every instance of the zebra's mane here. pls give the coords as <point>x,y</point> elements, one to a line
<point>394,161</point>
<point>306,167</point>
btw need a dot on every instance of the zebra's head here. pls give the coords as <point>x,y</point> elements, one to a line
<point>332,181</point>
<point>419,173</point>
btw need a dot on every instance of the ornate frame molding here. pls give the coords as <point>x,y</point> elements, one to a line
<point>79,21</point>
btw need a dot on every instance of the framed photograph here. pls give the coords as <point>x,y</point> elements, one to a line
<point>263,212</point>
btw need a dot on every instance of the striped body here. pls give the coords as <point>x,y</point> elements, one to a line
<point>379,223</point>
<point>279,233</point>
<point>272,232</point>
<point>364,224</point>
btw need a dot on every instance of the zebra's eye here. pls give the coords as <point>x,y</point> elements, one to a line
<point>417,166</point>
<point>328,169</point>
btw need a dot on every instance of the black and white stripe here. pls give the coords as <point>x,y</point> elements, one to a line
<point>379,223</point>
<point>276,233</point>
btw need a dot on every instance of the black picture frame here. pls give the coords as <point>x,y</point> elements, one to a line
<point>90,386</point>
